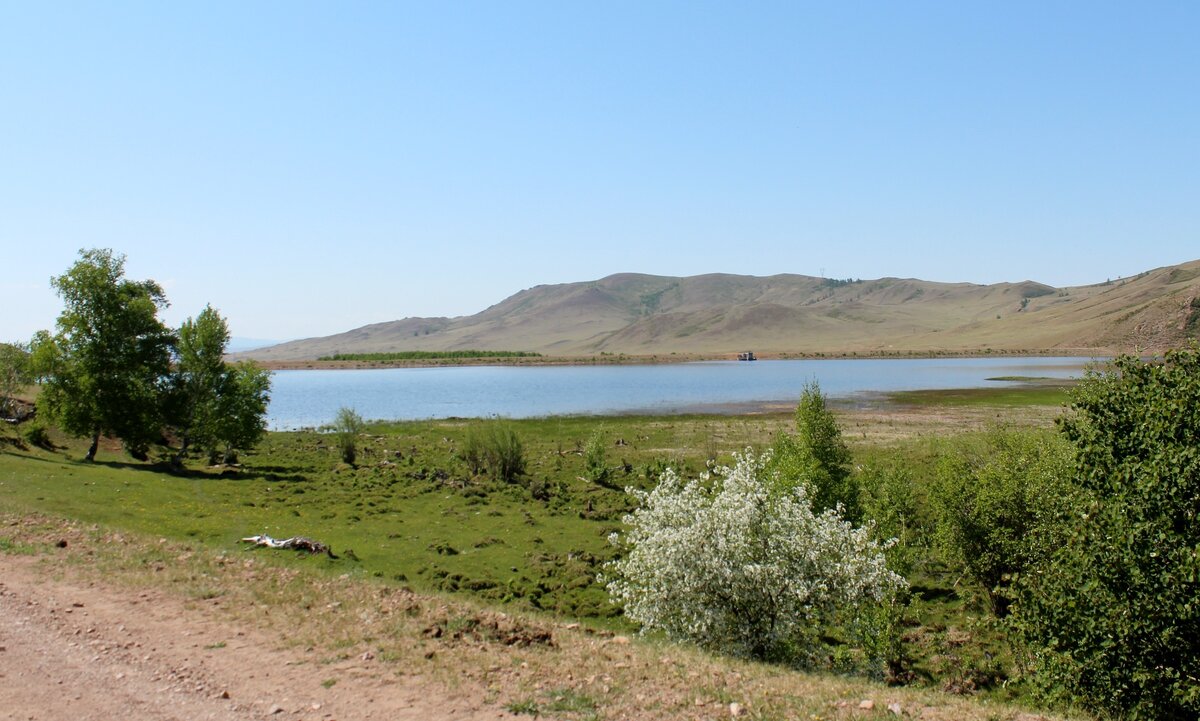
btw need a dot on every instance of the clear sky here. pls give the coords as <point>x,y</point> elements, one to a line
<point>312,167</point>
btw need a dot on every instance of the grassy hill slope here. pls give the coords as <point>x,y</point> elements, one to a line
<point>720,313</point>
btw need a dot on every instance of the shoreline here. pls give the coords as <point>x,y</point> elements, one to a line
<point>660,359</point>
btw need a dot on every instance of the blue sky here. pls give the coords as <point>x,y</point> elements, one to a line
<point>312,167</point>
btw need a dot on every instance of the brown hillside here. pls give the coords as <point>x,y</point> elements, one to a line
<point>720,313</point>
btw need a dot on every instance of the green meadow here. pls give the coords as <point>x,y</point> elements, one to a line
<point>411,513</point>
<point>1031,392</point>
<point>409,510</point>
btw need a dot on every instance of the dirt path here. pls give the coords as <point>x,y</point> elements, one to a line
<point>88,651</point>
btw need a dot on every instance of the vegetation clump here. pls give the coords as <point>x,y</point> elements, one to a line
<point>106,367</point>
<point>494,448</point>
<point>1112,620</point>
<point>1001,506</point>
<point>112,368</point>
<point>347,426</point>
<point>817,457</point>
<point>216,406</point>
<point>15,374</point>
<point>595,459</point>
<point>738,564</point>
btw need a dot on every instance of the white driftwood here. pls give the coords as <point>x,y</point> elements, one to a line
<point>297,543</point>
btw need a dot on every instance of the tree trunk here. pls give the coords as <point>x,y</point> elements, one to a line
<point>177,461</point>
<point>91,454</point>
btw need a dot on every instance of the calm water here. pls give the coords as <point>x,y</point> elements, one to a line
<point>311,397</point>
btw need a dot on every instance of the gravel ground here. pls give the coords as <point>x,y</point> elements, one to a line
<point>87,651</point>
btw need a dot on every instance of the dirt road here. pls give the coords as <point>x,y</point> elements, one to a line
<point>77,652</point>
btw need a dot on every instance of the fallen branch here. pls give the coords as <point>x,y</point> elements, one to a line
<point>296,543</point>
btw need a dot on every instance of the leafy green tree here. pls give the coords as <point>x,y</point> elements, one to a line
<point>15,374</point>
<point>816,456</point>
<point>1112,620</point>
<point>106,367</point>
<point>1001,507</point>
<point>241,409</point>
<point>891,503</point>
<point>215,406</point>
<point>199,379</point>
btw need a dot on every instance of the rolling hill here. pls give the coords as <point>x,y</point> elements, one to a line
<point>718,313</point>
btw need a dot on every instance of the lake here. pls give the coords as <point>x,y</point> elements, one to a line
<point>304,398</point>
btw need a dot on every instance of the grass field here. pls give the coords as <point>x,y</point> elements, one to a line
<point>1033,392</point>
<point>411,514</point>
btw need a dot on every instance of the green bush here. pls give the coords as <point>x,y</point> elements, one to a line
<point>733,563</point>
<point>494,448</point>
<point>1112,621</point>
<point>817,457</point>
<point>473,451</point>
<point>595,458</point>
<point>1001,507</point>
<point>35,434</point>
<point>890,502</point>
<point>347,426</point>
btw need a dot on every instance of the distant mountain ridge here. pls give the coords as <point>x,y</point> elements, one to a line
<point>718,313</point>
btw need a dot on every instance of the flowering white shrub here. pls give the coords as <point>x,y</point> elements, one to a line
<point>738,565</point>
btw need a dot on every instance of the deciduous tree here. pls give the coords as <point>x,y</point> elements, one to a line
<point>816,456</point>
<point>1001,507</point>
<point>1113,619</point>
<point>15,374</point>
<point>216,406</point>
<point>106,366</point>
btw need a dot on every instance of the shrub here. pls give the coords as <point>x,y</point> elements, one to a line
<point>474,450</point>
<point>595,459</point>
<point>889,501</point>
<point>495,448</point>
<point>15,372</point>
<point>347,426</point>
<point>1112,620</point>
<point>817,457</point>
<point>744,566</point>
<point>1001,508</point>
<point>36,434</point>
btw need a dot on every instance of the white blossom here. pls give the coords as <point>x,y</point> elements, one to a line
<point>738,564</point>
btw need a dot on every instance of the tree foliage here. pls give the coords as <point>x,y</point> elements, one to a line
<point>242,406</point>
<point>816,456</point>
<point>1001,507</point>
<point>107,369</point>
<point>738,564</point>
<point>595,458</point>
<point>891,503</point>
<point>15,374</point>
<point>198,379</point>
<point>1112,620</point>
<point>106,366</point>
<point>216,406</point>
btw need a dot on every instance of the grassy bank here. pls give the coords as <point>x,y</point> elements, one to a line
<point>1032,392</point>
